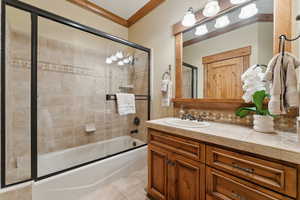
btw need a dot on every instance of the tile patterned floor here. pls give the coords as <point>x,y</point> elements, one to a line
<point>131,187</point>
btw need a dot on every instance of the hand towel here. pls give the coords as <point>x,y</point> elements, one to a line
<point>126,103</point>
<point>281,73</point>
<point>167,96</point>
<point>164,85</point>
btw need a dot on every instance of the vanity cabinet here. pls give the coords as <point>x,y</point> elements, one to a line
<point>175,171</point>
<point>184,169</point>
<point>173,177</point>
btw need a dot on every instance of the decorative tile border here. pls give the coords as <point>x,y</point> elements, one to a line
<point>45,66</point>
<point>282,123</point>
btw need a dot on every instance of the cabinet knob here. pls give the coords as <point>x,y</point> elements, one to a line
<point>169,162</point>
<point>237,196</point>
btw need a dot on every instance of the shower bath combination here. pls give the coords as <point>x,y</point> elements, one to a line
<point>56,85</point>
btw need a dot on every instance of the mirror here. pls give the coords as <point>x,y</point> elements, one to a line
<point>218,51</point>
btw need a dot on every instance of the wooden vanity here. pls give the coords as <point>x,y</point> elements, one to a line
<point>183,167</point>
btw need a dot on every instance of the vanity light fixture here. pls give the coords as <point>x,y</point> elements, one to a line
<point>201,30</point>
<point>114,58</point>
<point>189,18</point>
<point>222,22</point>
<point>131,58</point>
<point>120,63</point>
<point>119,55</point>
<point>237,1</point>
<point>108,60</point>
<point>248,11</point>
<point>126,61</point>
<point>211,8</point>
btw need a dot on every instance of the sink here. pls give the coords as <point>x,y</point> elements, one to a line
<point>186,123</point>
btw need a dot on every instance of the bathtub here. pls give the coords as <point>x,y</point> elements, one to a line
<point>77,183</point>
<point>56,161</point>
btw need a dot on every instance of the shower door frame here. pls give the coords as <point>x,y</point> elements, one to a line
<point>35,14</point>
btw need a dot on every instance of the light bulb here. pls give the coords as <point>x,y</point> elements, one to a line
<point>119,54</point>
<point>221,22</point>
<point>248,11</point>
<point>189,18</point>
<point>120,63</point>
<point>126,61</point>
<point>237,1</point>
<point>113,58</point>
<point>201,30</point>
<point>108,61</point>
<point>130,58</point>
<point>211,8</point>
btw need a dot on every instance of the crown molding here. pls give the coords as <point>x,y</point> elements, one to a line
<point>146,9</point>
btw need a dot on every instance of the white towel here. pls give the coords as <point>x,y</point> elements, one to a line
<point>167,96</point>
<point>164,85</point>
<point>126,103</point>
<point>281,73</point>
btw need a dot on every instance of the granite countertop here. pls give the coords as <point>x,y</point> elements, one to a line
<point>279,145</point>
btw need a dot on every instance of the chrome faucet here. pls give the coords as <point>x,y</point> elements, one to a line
<point>188,116</point>
<point>192,117</point>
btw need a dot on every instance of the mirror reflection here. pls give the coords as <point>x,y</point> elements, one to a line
<point>218,51</point>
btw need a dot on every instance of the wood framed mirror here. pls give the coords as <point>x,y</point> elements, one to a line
<point>222,54</point>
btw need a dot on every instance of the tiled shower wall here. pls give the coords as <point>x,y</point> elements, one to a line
<point>18,193</point>
<point>72,85</point>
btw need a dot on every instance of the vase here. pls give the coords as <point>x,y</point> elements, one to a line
<point>264,124</point>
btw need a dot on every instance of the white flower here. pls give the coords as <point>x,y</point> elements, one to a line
<point>253,82</point>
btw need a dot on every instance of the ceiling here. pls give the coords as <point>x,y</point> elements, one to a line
<point>122,8</point>
<point>123,12</point>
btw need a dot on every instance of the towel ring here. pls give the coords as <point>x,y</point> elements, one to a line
<point>167,74</point>
<point>282,40</point>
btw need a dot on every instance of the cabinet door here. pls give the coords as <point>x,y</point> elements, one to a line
<point>186,179</point>
<point>223,79</point>
<point>157,172</point>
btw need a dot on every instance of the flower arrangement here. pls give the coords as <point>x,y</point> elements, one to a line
<point>258,98</point>
<point>256,92</point>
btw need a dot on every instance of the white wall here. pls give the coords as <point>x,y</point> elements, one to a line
<point>258,36</point>
<point>155,31</point>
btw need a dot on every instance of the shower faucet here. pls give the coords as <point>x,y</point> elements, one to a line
<point>136,131</point>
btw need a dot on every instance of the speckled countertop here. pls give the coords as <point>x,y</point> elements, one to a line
<point>280,145</point>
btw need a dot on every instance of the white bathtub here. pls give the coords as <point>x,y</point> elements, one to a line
<point>77,183</point>
<point>60,160</point>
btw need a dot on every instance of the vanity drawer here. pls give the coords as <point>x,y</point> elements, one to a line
<point>222,186</point>
<point>275,176</point>
<point>185,147</point>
